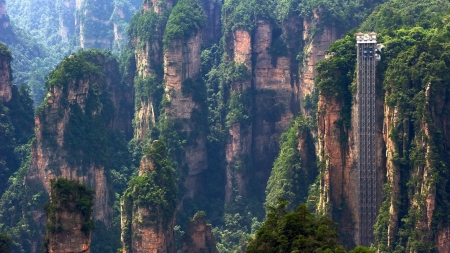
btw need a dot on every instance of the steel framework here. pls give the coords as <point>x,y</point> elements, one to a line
<point>367,58</point>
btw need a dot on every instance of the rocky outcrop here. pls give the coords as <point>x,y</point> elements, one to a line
<point>148,221</point>
<point>212,31</point>
<point>316,44</point>
<point>275,99</point>
<point>274,103</point>
<point>158,6</point>
<point>239,134</point>
<point>5,74</point>
<point>198,237</point>
<point>71,105</point>
<point>338,169</point>
<point>69,218</point>
<point>181,72</point>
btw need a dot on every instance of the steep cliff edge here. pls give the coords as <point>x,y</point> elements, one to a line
<point>69,217</point>
<point>148,206</point>
<point>198,237</point>
<point>415,131</point>
<point>78,129</point>
<point>5,74</point>
<point>337,141</point>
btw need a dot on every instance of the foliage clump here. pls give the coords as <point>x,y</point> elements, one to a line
<point>69,196</point>
<point>4,52</point>
<point>5,243</point>
<point>299,231</point>
<point>291,176</point>
<point>186,18</point>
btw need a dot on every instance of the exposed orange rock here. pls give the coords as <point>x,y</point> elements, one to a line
<point>72,239</point>
<point>239,139</point>
<point>66,230</point>
<point>144,229</point>
<point>275,99</point>
<point>50,159</point>
<point>198,237</point>
<point>182,62</point>
<point>316,43</point>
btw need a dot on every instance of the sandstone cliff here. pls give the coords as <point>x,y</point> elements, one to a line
<point>337,142</point>
<point>316,45</point>
<point>181,76</point>
<point>69,218</point>
<point>148,206</point>
<point>5,74</point>
<point>198,237</point>
<point>80,100</point>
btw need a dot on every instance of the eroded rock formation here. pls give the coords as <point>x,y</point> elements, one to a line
<point>198,237</point>
<point>5,74</point>
<point>69,218</point>
<point>80,101</point>
<point>149,204</point>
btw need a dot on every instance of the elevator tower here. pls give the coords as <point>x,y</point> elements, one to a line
<point>366,67</point>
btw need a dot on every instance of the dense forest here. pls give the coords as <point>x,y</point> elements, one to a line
<point>220,126</point>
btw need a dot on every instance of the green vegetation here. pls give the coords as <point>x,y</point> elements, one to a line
<point>421,68</point>
<point>5,243</point>
<point>299,231</point>
<point>4,52</point>
<point>16,126</point>
<point>244,14</point>
<point>155,189</point>
<point>335,80</point>
<point>69,196</point>
<point>186,18</point>
<point>291,176</point>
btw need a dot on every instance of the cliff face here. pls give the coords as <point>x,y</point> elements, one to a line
<point>181,72</point>
<point>81,96</point>
<point>198,237</point>
<point>337,119</point>
<point>5,75</point>
<point>269,94</point>
<point>69,218</point>
<point>239,138</point>
<point>416,136</point>
<point>148,206</point>
<point>338,177</point>
<point>316,43</point>
<point>276,99</point>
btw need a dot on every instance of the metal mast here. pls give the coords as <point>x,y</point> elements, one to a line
<point>367,58</point>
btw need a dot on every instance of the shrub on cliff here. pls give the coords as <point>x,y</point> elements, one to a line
<point>186,18</point>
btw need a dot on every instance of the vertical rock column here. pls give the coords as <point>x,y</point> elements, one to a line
<point>275,95</point>
<point>149,59</point>
<point>182,66</point>
<point>199,237</point>
<point>69,215</point>
<point>239,141</point>
<point>316,45</point>
<point>148,206</point>
<point>5,73</point>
